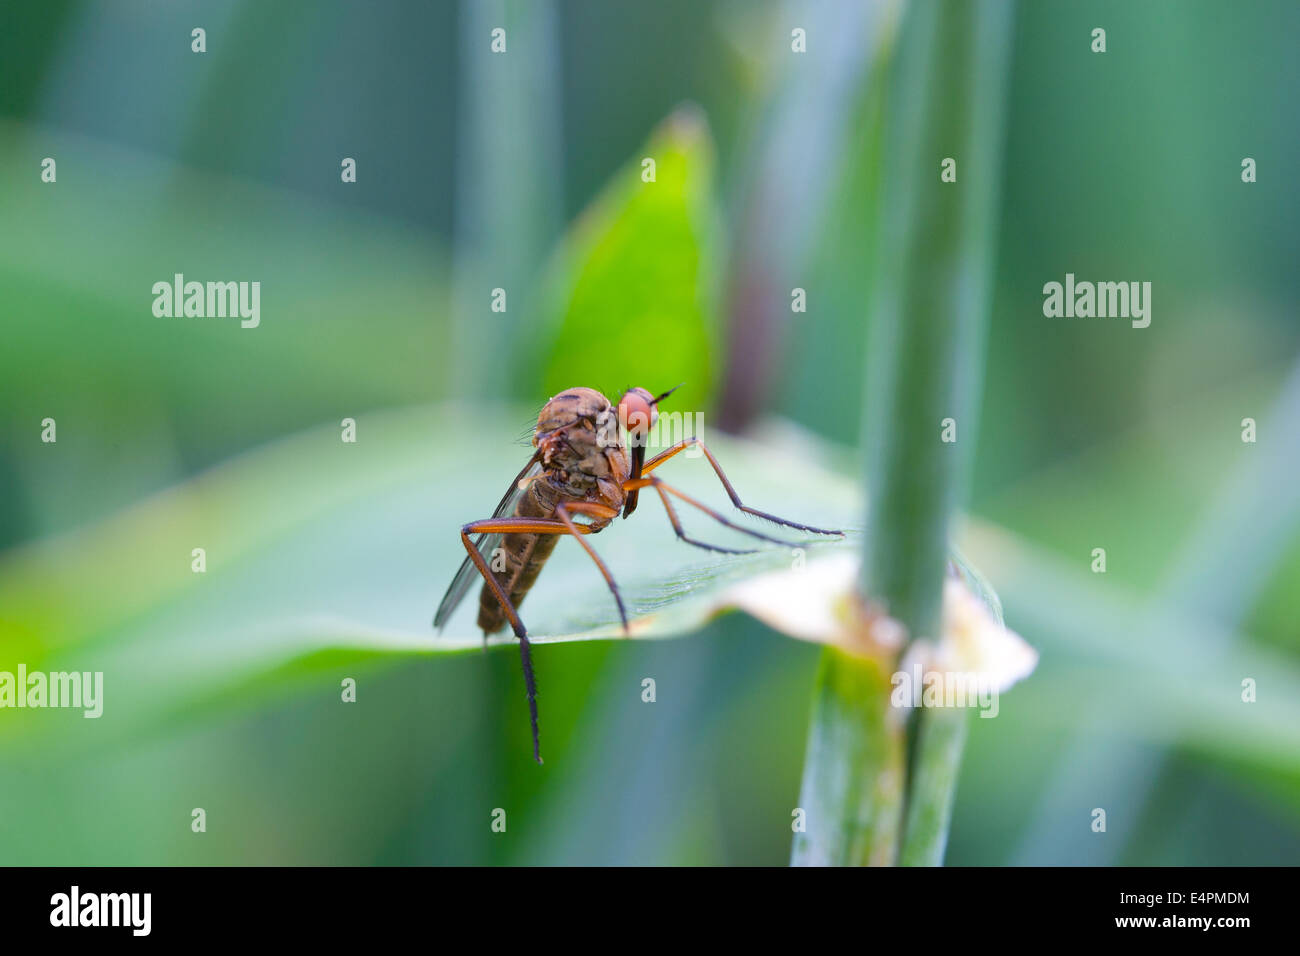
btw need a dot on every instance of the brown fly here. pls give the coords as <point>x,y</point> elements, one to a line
<point>581,476</point>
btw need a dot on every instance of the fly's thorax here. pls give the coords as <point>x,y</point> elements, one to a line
<point>577,433</point>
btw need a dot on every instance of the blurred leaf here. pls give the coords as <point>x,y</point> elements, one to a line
<point>787,200</point>
<point>323,555</point>
<point>1135,659</point>
<point>830,344</point>
<point>326,558</point>
<point>507,196</point>
<point>351,309</point>
<point>631,292</point>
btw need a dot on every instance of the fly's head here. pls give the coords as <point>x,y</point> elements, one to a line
<point>638,411</point>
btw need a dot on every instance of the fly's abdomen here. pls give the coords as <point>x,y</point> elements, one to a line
<point>521,560</point>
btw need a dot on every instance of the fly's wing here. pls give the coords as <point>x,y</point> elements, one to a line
<point>486,543</point>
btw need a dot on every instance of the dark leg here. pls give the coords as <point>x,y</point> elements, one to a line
<point>677,524</point>
<point>685,443</point>
<point>525,652</point>
<point>529,526</point>
<point>662,486</point>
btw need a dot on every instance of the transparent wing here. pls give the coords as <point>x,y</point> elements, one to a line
<point>486,543</point>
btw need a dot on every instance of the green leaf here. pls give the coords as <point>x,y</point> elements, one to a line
<point>632,291</point>
<point>1167,673</point>
<point>322,555</point>
<point>324,558</point>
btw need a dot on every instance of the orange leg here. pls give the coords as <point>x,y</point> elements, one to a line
<point>685,443</point>
<point>564,525</point>
<point>601,511</point>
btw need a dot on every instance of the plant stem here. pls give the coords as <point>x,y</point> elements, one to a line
<point>925,348</point>
<point>852,791</point>
<point>927,338</point>
<point>941,735</point>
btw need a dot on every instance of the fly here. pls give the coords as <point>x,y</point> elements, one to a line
<point>583,468</point>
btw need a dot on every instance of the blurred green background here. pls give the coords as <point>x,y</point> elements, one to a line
<point>522,171</point>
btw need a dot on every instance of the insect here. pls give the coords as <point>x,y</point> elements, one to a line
<point>588,467</point>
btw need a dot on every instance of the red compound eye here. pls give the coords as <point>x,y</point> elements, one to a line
<point>637,412</point>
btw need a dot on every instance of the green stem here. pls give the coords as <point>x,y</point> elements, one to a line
<point>852,794</point>
<point>928,337</point>
<point>928,322</point>
<point>929,334</point>
<point>941,735</point>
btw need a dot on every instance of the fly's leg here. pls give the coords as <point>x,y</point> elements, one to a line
<point>564,525</point>
<point>666,489</point>
<point>682,535</point>
<point>685,443</point>
<point>562,511</point>
<point>516,625</point>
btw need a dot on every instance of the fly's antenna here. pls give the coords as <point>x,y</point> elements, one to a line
<point>656,401</point>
